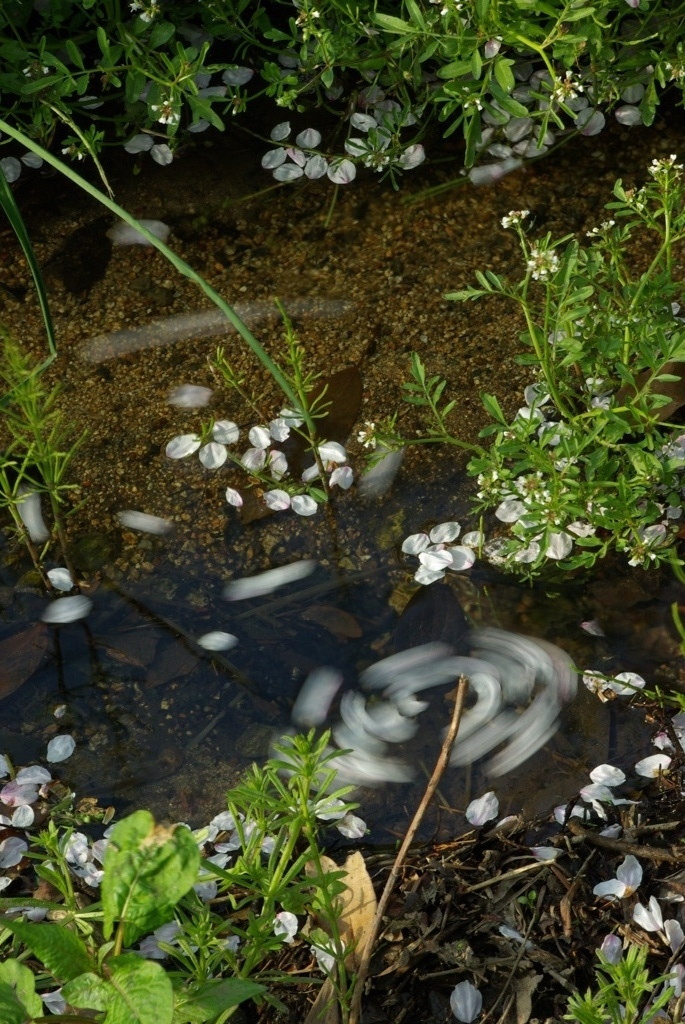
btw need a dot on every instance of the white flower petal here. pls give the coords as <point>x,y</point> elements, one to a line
<point>426,576</point>
<point>278,465</point>
<point>134,520</point>
<point>308,139</point>
<point>60,748</point>
<point>280,132</point>
<point>466,1002</point>
<point>23,816</point>
<point>67,609</point>
<point>483,809</point>
<point>342,172</point>
<point>612,948</point>
<point>445,533</point>
<point>4,767</point>
<point>331,451</point>
<point>190,396</point>
<point>61,579</point>
<point>279,429</point>
<point>674,934</point>
<point>351,826</point>
<point>274,158</point>
<point>629,871</point>
<point>234,497</point>
<point>437,561</point>
<point>632,682</point>
<point>182,445</point>
<point>139,144</point>
<point>277,500</point>
<point>559,545</point>
<point>649,918</point>
<point>253,459</point>
<point>237,76</point>
<point>217,641</point>
<point>364,122</point>
<point>652,767</point>
<point>286,924</point>
<point>462,558</point>
<point>12,851</point>
<point>225,431</point>
<point>607,775</point>
<point>415,543</point>
<point>259,437</point>
<point>316,167</point>
<point>343,476</point>
<point>212,455</point>
<point>266,582</point>
<point>545,853</point>
<point>303,505</point>
<point>288,172</point>
<point>614,888</point>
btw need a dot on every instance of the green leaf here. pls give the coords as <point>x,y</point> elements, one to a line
<point>392,24</point>
<point>504,74</point>
<point>416,14</point>
<point>137,991</point>
<point>23,984</point>
<point>455,69</point>
<point>579,14</point>
<point>64,954</point>
<point>493,407</point>
<point>476,64</point>
<point>161,33</point>
<point>212,998</point>
<point>74,53</point>
<point>148,868</point>
<point>11,1010</point>
<point>511,106</point>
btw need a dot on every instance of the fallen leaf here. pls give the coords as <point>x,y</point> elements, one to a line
<point>341,624</point>
<point>173,662</point>
<point>20,656</point>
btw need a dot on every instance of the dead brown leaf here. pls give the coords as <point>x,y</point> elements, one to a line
<point>341,624</point>
<point>357,910</point>
<point>20,656</point>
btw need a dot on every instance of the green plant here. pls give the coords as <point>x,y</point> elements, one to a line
<point>216,924</point>
<point>591,462</point>
<point>626,993</point>
<point>100,73</point>
<point>38,453</point>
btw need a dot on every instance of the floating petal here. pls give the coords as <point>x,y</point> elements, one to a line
<point>308,139</point>
<point>343,476</point>
<point>190,396</point>
<point>225,431</point>
<point>234,497</point>
<point>331,451</point>
<point>61,579</point>
<point>652,767</point>
<point>266,582</point>
<point>60,748</point>
<point>217,641</point>
<point>182,445</point>
<point>277,500</point>
<point>444,533</point>
<point>415,543</point>
<point>67,609</point>
<point>124,234</point>
<point>144,522</point>
<point>213,455</point>
<point>607,775</point>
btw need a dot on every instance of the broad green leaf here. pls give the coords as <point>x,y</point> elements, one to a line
<point>392,24</point>
<point>579,14</point>
<point>63,953</point>
<point>455,69</point>
<point>148,868</point>
<point>212,998</point>
<point>504,74</point>
<point>23,983</point>
<point>162,32</point>
<point>74,53</point>
<point>476,64</point>
<point>11,1009</point>
<point>136,991</point>
<point>416,14</point>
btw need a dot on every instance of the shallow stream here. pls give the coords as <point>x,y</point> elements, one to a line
<point>158,721</point>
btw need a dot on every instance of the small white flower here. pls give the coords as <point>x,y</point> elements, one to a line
<point>514,217</point>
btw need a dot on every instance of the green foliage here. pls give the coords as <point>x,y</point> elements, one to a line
<point>40,445</point>
<point>96,73</point>
<point>626,993</point>
<point>592,460</point>
<point>219,957</point>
